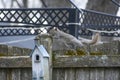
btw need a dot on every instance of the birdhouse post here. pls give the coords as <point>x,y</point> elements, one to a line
<point>46,41</point>
<point>40,63</point>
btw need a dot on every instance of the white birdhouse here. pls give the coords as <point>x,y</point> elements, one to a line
<point>40,63</point>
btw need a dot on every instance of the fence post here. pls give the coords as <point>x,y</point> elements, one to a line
<point>46,41</point>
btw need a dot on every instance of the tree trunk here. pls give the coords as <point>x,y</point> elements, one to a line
<point>57,3</point>
<point>106,6</point>
<point>25,3</point>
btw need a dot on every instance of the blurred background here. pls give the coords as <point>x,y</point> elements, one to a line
<point>98,5</point>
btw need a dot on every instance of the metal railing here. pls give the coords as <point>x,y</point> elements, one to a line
<point>35,21</point>
<point>98,21</point>
<point>34,18</point>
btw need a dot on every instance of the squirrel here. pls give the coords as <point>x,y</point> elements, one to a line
<point>65,37</point>
<point>95,39</point>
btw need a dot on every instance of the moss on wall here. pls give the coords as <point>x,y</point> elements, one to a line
<point>80,52</point>
<point>3,54</point>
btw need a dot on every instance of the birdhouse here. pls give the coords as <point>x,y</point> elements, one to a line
<point>40,63</point>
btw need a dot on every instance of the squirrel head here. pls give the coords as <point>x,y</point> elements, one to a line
<point>53,30</point>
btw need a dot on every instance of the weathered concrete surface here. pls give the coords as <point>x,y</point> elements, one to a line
<point>14,57</point>
<point>15,62</point>
<point>87,61</point>
<point>13,51</point>
<point>102,55</point>
<point>109,48</point>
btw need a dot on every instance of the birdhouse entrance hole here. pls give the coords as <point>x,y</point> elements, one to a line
<point>37,58</point>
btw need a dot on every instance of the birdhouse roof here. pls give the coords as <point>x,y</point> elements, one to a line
<point>41,49</point>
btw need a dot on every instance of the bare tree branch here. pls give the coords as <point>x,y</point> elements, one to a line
<point>18,3</point>
<point>25,2</point>
<point>12,3</point>
<point>44,4</point>
<point>4,5</point>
